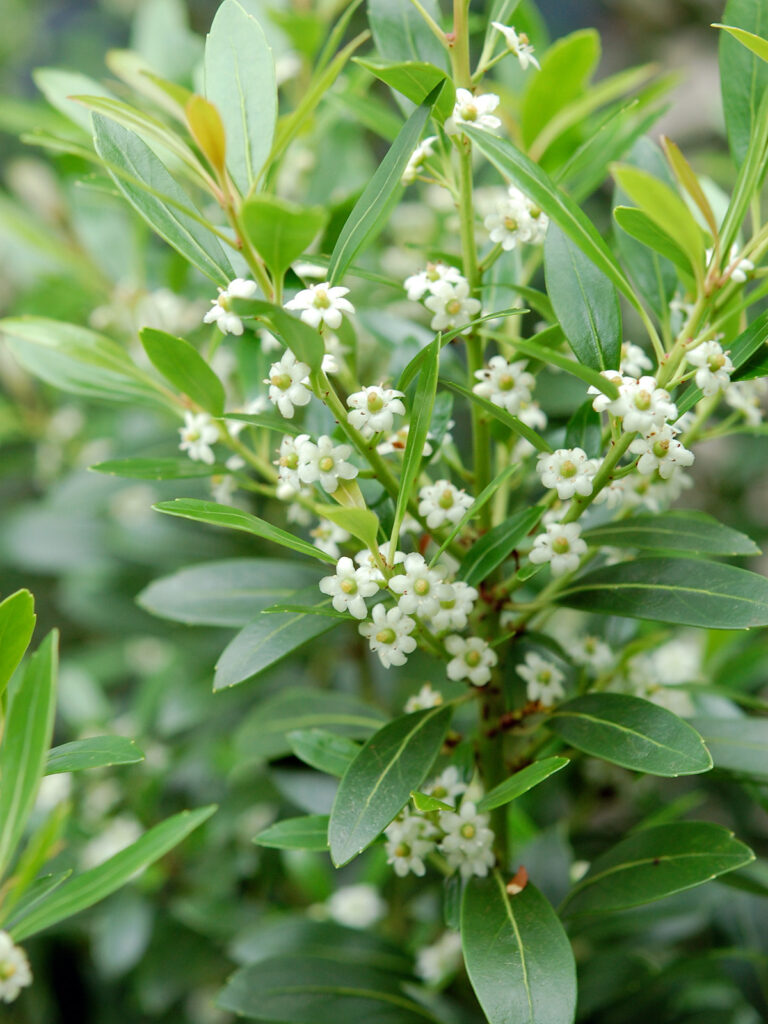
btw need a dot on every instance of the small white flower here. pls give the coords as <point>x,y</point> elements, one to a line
<point>591,652</point>
<point>456,603</point>
<point>419,284</point>
<point>397,443</point>
<point>221,313</point>
<point>322,304</point>
<point>389,635</point>
<point>634,360</point>
<point>468,842</point>
<point>417,587</point>
<point>15,973</point>
<point>442,502</point>
<point>269,342</point>
<point>425,698</point>
<point>374,409</point>
<point>745,396</point>
<point>409,840</point>
<point>544,680</point>
<point>366,559</point>
<point>518,44</point>
<point>714,367</point>
<point>561,546</point>
<point>507,385</point>
<point>325,463</point>
<point>440,960</point>
<point>471,658</point>
<point>660,451</point>
<point>356,906</point>
<point>327,536</point>
<point>299,514</point>
<point>197,435</point>
<point>288,384</point>
<point>423,151</point>
<point>349,587</point>
<point>474,110</point>
<point>516,219</point>
<point>568,471</point>
<point>741,268</point>
<point>288,480</point>
<point>647,405</point>
<point>448,786</point>
<point>451,304</point>
<point>602,403</point>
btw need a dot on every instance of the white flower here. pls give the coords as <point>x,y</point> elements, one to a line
<point>288,480</point>
<point>418,156</point>
<point>349,586</point>
<point>519,44</point>
<point>322,304</point>
<point>646,405</point>
<point>374,409</point>
<point>474,110</point>
<point>591,652</point>
<point>325,463</point>
<point>516,219</point>
<point>220,312</point>
<point>14,969</point>
<point>366,559</point>
<point>441,959</point>
<point>288,384</point>
<point>745,396</point>
<point>568,471</point>
<point>741,268</point>
<point>507,385</point>
<point>389,635</point>
<point>544,680</point>
<point>448,786</point>
<point>417,587</point>
<point>398,441</point>
<point>471,658</point>
<point>197,435</point>
<point>451,304</point>
<point>409,839</point>
<point>269,342</point>
<point>456,603</point>
<point>356,906</point>
<point>602,403</point>
<point>714,367</point>
<point>442,502</point>
<point>327,536</point>
<point>425,698</point>
<point>419,284</point>
<point>634,360</point>
<point>561,546</point>
<point>660,451</point>
<point>468,842</point>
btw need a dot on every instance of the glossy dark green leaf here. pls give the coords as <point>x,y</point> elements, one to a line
<point>685,591</point>
<point>182,365</point>
<point>584,430</point>
<point>497,413</point>
<point>401,34</point>
<point>657,862</point>
<point>280,231</point>
<point>378,783</point>
<point>517,954</point>
<point>519,783</point>
<point>309,832</point>
<point>743,75</point>
<point>683,530</point>
<point>157,469</point>
<point>738,745</point>
<point>415,80</point>
<point>631,732</point>
<point>17,624</point>
<point>326,751</point>
<point>94,752</point>
<point>495,546</point>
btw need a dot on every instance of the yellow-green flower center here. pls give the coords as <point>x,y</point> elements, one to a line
<point>326,464</point>
<point>348,586</point>
<point>386,636</point>
<point>468,831</point>
<point>321,300</point>
<point>472,658</point>
<point>568,469</point>
<point>446,499</point>
<point>421,587</point>
<point>374,401</point>
<point>643,400</point>
<point>506,382</point>
<point>281,380</point>
<point>453,307</point>
<point>660,449</point>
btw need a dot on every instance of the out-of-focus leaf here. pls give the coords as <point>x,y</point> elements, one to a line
<point>307,833</point>
<point>94,752</point>
<point>182,365</point>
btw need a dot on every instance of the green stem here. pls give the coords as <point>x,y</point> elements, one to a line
<point>602,477</point>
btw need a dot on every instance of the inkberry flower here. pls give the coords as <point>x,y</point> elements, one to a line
<point>322,304</point>
<point>417,587</point>
<point>349,586</point>
<point>568,471</point>
<point>325,463</point>
<point>288,480</point>
<point>561,545</point>
<point>419,284</point>
<point>474,110</point>
<point>516,219</point>
<point>451,304</point>
<point>660,451</point>
<point>389,635</point>
<point>15,973</point>
<point>471,659</point>
<point>423,151</point>
<point>197,435</point>
<point>409,840</point>
<point>468,842</point>
<point>288,384</point>
<point>544,680</point>
<point>518,44</point>
<point>507,385</point>
<point>456,603</point>
<point>220,312</point>
<point>714,367</point>
<point>425,698</point>
<point>443,502</point>
<point>634,360</point>
<point>374,409</point>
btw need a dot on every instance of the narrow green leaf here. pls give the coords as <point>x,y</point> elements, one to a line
<point>682,530</point>
<point>157,469</point>
<point>425,803</point>
<point>517,954</point>
<point>305,342</point>
<point>378,783</point>
<point>495,546</point>
<point>480,501</point>
<point>679,590</point>
<point>34,896</point>
<point>415,80</point>
<point>182,365</point>
<point>752,169</point>
<point>280,231</point>
<point>631,732</point>
<point>738,745</point>
<point>237,519</point>
<point>59,86</point>
<point>521,782</point>
<point>309,832</point>
<point>17,624</point>
<point>360,522</point>
<point>756,44</point>
<point>688,180</point>
<point>94,752</point>
<point>276,423</point>
<point>640,227</point>
<point>655,863</point>
<point>496,412</point>
<point>550,356</point>
<point>743,75</point>
<point>323,750</point>
<point>94,885</point>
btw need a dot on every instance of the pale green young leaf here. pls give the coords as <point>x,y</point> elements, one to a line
<point>309,832</point>
<point>182,365</point>
<point>280,231</point>
<point>688,179</point>
<point>522,780</point>
<point>756,44</point>
<point>738,745</point>
<point>323,750</point>
<point>424,803</point>
<point>134,70</point>
<point>415,80</point>
<point>17,624</point>
<point>643,229</point>
<point>495,546</point>
<point>682,530</point>
<point>93,752</point>
<point>360,522</point>
<point>59,86</point>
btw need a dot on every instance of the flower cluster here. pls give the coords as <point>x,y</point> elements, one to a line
<point>516,219</point>
<point>15,973</point>
<point>447,296</point>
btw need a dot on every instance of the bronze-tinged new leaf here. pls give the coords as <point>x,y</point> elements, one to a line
<point>207,131</point>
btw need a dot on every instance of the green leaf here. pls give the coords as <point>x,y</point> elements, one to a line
<point>655,863</point>
<point>94,885</point>
<point>157,469</point>
<point>265,642</point>
<point>378,783</point>
<point>519,783</point>
<point>682,530</point>
<point>737,745</point>
<point>360,522</point>
<point>544,350</point>
<point>280,231</point>
<point>585,301</point>
<point>680,590</point>
<point>225,593</point>
<point>276,423</point>
<point>309,832</point>
<point>415,80</point>
<point>34,895</point>
<point>496,412</point>
<point>640,227</point>
<point>495,546</point>
<point>751,172</point>
<point>25,741</point>
<point>182,365</point>
<point>240,82</point>
<point>94,752</point>
<point>425,803</point>
<point>743,75</point>
<point>517,954</point>
<point>59,86</point>
<point>236,519</point>
<point>305,342</point>
<point>756,44</point>
<point>17,624</point>
<point>480,501</point>
<point>371,212</point>
<point>323,750</point>
<point>631,732</point>
<point>401,34</point>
